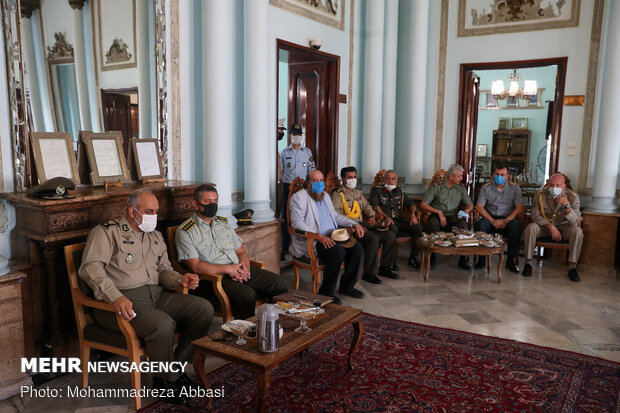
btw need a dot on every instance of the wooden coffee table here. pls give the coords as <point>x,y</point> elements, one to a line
<point>426,250</point>
<point>335,318</point>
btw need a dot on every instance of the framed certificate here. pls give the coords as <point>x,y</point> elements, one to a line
<point>106,157</point>
<point>54,156</point>
<point>148,162</point>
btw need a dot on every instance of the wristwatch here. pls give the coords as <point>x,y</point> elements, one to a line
<point>179,281</point>
<point>565,207</point>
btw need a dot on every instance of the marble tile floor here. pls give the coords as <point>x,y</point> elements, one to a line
<point>546,309</point>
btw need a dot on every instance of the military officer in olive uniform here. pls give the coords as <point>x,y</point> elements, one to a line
<point>390,199</point>
<point>126,264</point>
<point>499,204</point>
<point>207,244</point>
<point>442,201</point>
<point>555,213</point>
<point>349,201</point>
<point>297,161</point>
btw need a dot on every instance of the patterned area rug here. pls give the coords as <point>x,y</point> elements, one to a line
<point>404,367</point>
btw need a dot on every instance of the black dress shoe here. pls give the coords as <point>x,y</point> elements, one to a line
<point>510,264</point>
<point>179,396</point>
<point>433,261</point>
<point>336,300</point>
<point>573,276</point>
<point>482,262</point>
<point>372,278</point>
<point>354,292</point>
<point>527,270</point>
<point>413,262</point>
<point>464,263</point>
<point>385,272</point>
<point>394,267</point>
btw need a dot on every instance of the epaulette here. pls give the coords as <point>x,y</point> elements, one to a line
<point>189,224</point>
<point>221,219</point>
<point>514,183</point>
<point>110,222</point>
<point>438,182</point>
<point>488,183</point>
<point>339,189</point>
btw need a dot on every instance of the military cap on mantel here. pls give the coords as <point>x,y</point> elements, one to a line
<point>55,188</point>
<point>244,217</point>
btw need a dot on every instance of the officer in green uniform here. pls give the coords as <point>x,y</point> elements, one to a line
<point>126,264</point>
<point>442,201</point>
<point>390,200</point>
<point>207,244</point>
<point>555,213</point>
<point>349,201</point>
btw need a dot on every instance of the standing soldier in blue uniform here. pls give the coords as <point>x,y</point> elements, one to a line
<point>297,161</point>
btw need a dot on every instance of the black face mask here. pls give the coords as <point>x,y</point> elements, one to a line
<point>208,210</point>
<point>280,135</point>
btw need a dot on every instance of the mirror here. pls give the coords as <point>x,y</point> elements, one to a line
<point>74,55</point>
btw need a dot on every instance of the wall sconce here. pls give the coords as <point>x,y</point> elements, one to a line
<point>315,43</point>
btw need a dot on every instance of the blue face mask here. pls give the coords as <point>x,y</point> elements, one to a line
<point>499,180</point>
<point>318,187</point>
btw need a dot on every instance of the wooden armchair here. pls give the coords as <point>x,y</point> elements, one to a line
<point>91,335</point>
<point>311,261</point>
<point>224,310</point>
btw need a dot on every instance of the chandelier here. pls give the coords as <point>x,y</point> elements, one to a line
<point>499,92</point>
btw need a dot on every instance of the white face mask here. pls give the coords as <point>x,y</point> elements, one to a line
<point>555,191</point>
<point>389,187</point>
<point>297,139</point>
<point>149,222</point>
<point>350,183</point>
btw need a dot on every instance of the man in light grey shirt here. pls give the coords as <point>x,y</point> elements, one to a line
<point>499,204</point>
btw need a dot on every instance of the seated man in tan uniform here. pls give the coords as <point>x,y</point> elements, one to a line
<point>126,264</point>
<point>555,213</point>
<point>207,244</point>
<point>349,201</point>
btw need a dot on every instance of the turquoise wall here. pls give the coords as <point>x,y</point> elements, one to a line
<point>488,120</point>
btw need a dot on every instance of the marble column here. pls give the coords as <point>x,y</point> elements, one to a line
<point>257,128</point>
<point>81,75</point>
<point>390,64</point>
<point>146,84</point>
<point>373,86</point>
<point>608,144</point>
<point>218,104</point>
<point>412,99</point>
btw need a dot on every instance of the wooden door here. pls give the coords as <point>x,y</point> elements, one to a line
<point>117,115</point>
<point>312,101</point>
<point>468,123</point>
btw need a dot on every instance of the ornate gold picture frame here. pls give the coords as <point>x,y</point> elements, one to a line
<point>54,156</point>
<point>106,157</point>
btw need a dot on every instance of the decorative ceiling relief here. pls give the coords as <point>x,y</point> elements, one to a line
<point>116,32</point>
<point>479,17</point>
<point>118,52</point>
<point>328,12</point>
<point>61,51</point>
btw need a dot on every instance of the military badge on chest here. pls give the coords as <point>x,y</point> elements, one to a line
<point>129,259</point>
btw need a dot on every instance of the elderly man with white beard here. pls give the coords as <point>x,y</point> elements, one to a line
<point>313,211</point>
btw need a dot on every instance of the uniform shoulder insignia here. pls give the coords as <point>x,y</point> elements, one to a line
<point>189,224</point>
<point>339,189</point>
<point>221,219</point>
<point>125,227</point>
<point>109,223</point>
<point>311,157</point>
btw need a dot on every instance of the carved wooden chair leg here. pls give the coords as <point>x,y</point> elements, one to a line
<point>296,272</point>
<point>85,355</point>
